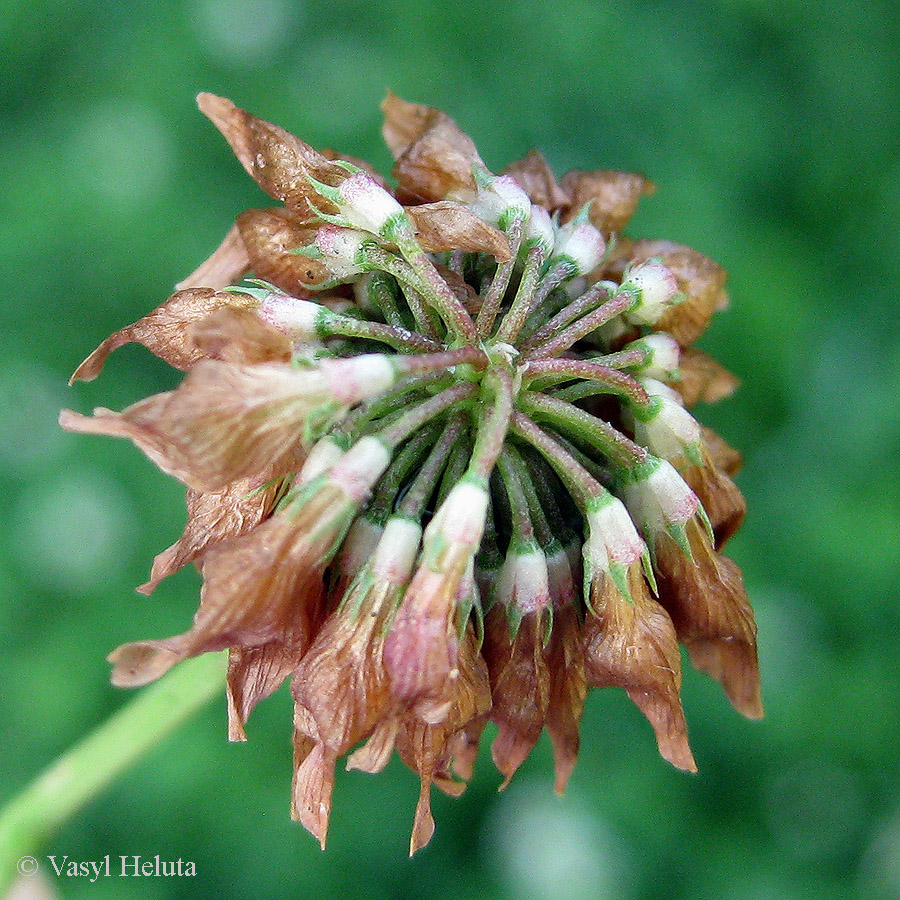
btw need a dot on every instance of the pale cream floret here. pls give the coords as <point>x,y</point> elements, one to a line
<point>360,467</point>
<point>340,248</point>
<point>502,197</point>
<point>296,317</point>
<point>323,455</point>
<point>524,581</point>
<point>582,243</point>
<point>395,554</point>
<point>461,516</point>
<point>539,230</point>
<point>672,429</point>
<point>656,287</point>
<point>359,545</point>
<point>367,205</point>
<point>612,537</point>
<point>662,499</point>
<point>358,378</point>
<point>665,355</point>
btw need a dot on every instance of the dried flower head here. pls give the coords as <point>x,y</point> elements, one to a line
<point>439,461</point>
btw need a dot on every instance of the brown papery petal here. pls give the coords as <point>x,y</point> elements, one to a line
<point>269,236</point>
<point>263,587</point>
<point>723,455</point>
<point>341,680</point>
<point>278,161</point>
<point>213,517</point>
<point>447,225</point>
<point>520,688</point>
<point>164,331</point>
<point>703,380</point>
<point>426,747</point>
<point>227,265</point>
<point>223,423</point>
<point>534,175</point>
<point>254,673</point>
<point>613,196</point>
<point>708,603</point>
<point>434,156</point>
<point>632,645</point>
<point>721,498</point>
<point>239,336</point>
<point>312,790</point>
<point>421,652</point>
<point>568,689</point>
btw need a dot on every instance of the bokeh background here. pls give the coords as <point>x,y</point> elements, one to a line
<point>771,128</point>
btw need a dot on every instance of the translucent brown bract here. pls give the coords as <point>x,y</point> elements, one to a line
<point>440,465</point>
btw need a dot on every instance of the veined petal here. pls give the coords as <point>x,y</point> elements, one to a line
<point>708,604</point>
<point>434,157</point>
<point>631,644</point>
<point>165,331</point>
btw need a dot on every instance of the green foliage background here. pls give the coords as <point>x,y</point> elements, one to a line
<point>771,128</point>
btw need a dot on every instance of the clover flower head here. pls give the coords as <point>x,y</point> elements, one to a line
<point>440,463</point>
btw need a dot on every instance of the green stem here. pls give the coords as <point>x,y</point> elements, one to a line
<point>29,820</point>
<point>593,431</point>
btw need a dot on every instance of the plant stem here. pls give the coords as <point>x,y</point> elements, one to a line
<point>29,820</point>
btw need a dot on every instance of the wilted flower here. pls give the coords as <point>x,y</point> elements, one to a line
<point>440,464</point>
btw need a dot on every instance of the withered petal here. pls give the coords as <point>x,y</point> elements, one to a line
<point>722,454</point>
<point>277,161</point>
<point>254,673</point>
<point>703,379</point>
<point>164,332</point>
<point>269,236</point>
<point>312,790</point>
<point>213,517</point>
<point>708,604</point>
<point>614,196</point>
<point>239,336</point>
<point>721,498</point>
<point>534,175</point>
<point>632,645</point>
<point>375,754</point>
<point>342,680</point>
<point>446,225</point>
<point>434,157</point>
<point>227,265</point>
<point>568,690</point>
<point>520,688</point>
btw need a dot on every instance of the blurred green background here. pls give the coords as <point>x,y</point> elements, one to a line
<point>771,128</point>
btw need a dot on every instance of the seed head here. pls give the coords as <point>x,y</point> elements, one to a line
<point>440,464</point>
